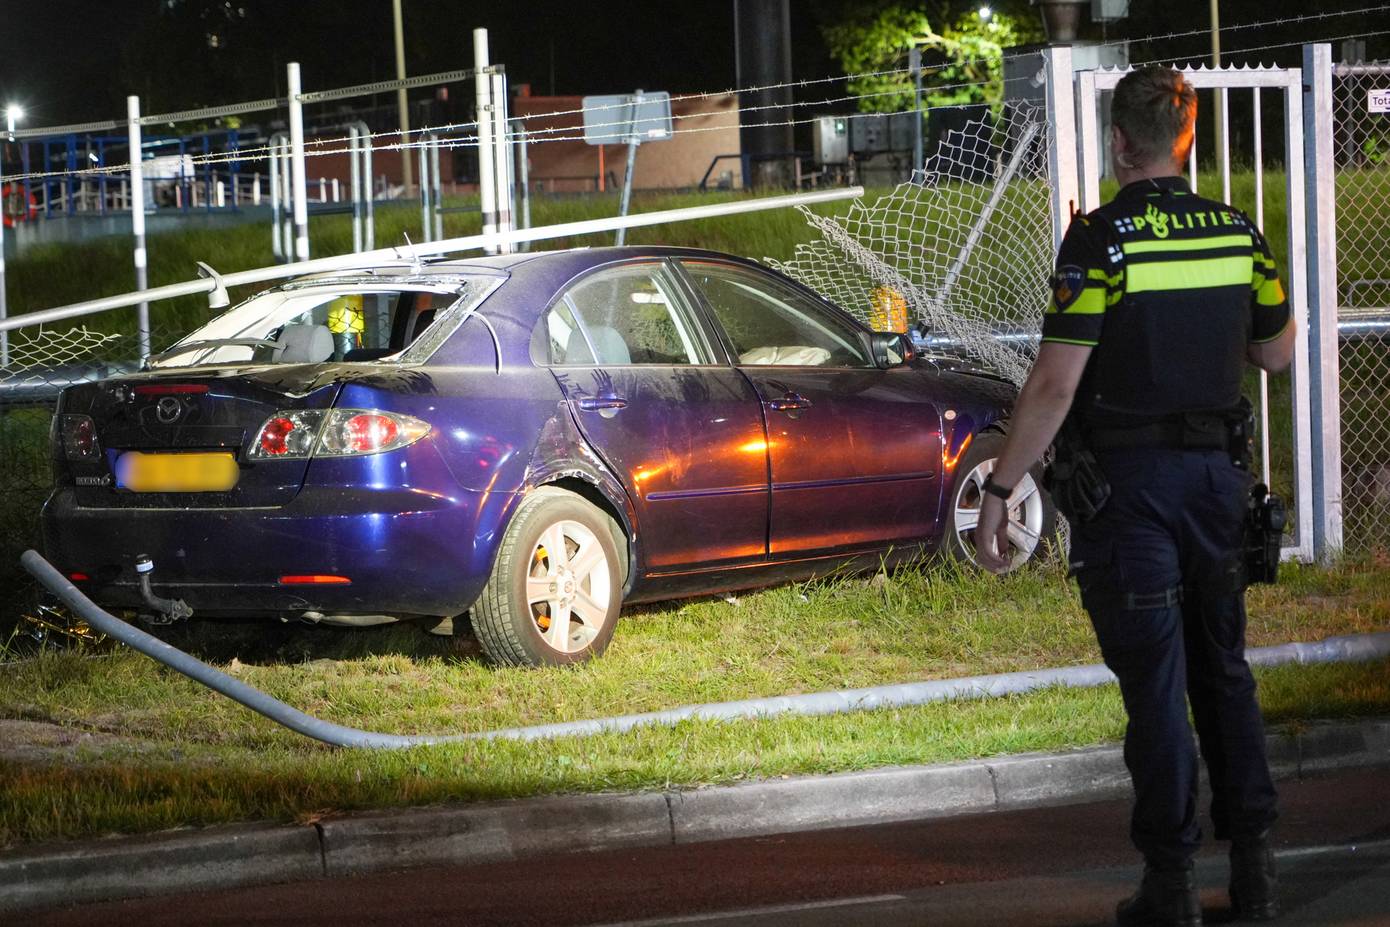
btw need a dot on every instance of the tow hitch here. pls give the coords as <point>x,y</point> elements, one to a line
<point>166,611</point>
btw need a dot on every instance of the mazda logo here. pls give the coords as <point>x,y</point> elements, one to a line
<point>168,410</point>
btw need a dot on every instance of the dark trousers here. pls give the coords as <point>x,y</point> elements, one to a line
<point>1158,576</point>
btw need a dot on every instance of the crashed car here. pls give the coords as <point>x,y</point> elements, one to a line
<point>533,440</point>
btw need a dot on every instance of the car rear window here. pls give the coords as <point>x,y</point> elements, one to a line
<point>369,323</point>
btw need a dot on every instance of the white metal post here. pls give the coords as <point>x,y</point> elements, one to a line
<point>487,188</point>
<point>436,182</point>
<point>301,190</point>
<point>502,159</point>
<point>1090,149</point>
<point>355,186</point>
<point>1298,303</point>
<point>523,169</point>
<point>368,189</point>
<point>4,305</point>
<point>1061,148</point>
<point>1323,343</point>
<point>401,98</point>
<point>426,187</point>
<point>137,222</point>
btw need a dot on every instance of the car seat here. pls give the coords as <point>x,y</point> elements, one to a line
<point>609,344</point>
<point>303,344</point>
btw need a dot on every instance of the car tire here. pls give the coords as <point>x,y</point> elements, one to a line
<point>1032,516</point>
<point>530,587</point>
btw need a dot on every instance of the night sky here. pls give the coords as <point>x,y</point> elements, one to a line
<point>75,60</point>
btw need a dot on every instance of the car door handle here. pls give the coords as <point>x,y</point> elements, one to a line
<point>603,401</point>
<point>791,402</point>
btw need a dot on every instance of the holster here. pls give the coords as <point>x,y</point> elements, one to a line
<point>1074,478</point>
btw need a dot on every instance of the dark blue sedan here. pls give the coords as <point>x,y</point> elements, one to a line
<point>533,440</point>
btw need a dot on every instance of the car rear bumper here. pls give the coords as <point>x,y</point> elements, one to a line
<point>403,551</point>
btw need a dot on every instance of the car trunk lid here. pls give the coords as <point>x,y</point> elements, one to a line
<point>181,439</point>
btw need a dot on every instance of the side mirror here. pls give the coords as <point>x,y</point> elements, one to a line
<point>891,349</point>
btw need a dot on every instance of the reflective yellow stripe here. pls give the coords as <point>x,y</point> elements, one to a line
<point>1191,244</point>
<point>1090,302</point>
<point>1270,294</point>
<point>1191,274</point>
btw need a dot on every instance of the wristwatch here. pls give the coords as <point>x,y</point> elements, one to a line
<point>994,489</point>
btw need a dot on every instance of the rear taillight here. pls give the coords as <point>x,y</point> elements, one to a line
<point>339,433</point>
<point>287,435</point>
<point>79,436</point>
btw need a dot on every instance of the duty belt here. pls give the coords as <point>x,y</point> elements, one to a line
<point>1197,432</point>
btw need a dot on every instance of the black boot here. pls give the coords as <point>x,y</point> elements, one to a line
<point>1166,898</point>
<point>1254,886</point>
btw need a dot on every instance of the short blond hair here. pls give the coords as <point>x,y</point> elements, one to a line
<point>1156,109</point>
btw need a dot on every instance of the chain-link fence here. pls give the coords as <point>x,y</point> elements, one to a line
<point>965,246</point>
<point>1362,153</point>
<point>41,361</point>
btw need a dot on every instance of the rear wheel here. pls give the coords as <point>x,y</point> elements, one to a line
<point>1032,517</point>
<point>556,588</point>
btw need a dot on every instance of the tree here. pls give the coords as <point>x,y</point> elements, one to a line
<point>962,61</point>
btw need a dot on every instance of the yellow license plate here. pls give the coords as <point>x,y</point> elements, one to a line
<point>201,472</point>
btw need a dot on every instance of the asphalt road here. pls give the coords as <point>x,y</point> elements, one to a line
<point>1053,867</point>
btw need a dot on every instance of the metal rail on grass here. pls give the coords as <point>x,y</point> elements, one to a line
<point>406,253</point>
<point>1352,648</point>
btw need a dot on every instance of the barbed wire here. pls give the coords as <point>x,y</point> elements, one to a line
<point>316,147</point>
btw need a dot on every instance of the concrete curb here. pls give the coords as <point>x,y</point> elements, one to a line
<point>231,856</point>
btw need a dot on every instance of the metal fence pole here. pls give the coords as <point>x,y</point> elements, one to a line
<point>1322,300</point>
<point>277,247</point>
<point>1061,148</point>
<point>368,189</point>
<point>524,176</point>
<point>633,107</point>
<point>301,192</point>
<point>487,189</point>
<point>355,187</point>
<point>4,305</point>
<point>137,223</point>
<point>501,154</point>
<point>426,187</point>
<point>437,184</point>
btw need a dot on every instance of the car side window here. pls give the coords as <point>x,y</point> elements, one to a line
<point>621,316</point>
<point>770,323</point>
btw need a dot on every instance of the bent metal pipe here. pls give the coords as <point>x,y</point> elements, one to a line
<point>1348,649</point>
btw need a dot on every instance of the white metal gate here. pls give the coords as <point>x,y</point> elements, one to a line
<point>1077,159</point>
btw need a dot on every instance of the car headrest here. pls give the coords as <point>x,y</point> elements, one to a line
<point>304,344</point>
<point>611,347</point>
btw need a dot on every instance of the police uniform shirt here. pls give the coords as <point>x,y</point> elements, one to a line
<point>1170,288</point>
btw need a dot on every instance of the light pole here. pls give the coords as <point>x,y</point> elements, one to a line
<point>13,113</point>
<point>406,173</point>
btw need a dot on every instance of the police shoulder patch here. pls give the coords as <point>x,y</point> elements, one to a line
<point>1067,285</point>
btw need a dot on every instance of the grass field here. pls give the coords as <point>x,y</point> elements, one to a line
<point>114,742</point>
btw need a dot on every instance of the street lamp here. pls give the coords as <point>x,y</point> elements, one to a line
<point>985,14</point>
<point>13,112</point>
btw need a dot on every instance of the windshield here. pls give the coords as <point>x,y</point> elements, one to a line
<point>345,323</point>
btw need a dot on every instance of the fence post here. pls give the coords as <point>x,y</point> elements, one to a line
<point>4,306</point>
<point>487,186</point>
<point>301,188</point>
<point>137,222</point>
<point>502,157</point>
<point>1061,148</point>
<point>1320,187</point>
<point>355,186</point>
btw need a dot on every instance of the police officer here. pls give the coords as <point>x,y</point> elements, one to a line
<point>1159,299</point>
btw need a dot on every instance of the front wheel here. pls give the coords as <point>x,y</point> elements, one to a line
<point>555,591</point>
<point>1032,517</point>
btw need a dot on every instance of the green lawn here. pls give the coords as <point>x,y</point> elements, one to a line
<point>116,742</point>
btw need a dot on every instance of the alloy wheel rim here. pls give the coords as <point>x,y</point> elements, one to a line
<point>1024,508</point>
<point>568,586</point>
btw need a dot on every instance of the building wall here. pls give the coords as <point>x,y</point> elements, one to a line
<point>705,127</point>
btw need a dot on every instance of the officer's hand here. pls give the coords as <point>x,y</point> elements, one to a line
<point>992,535</point>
